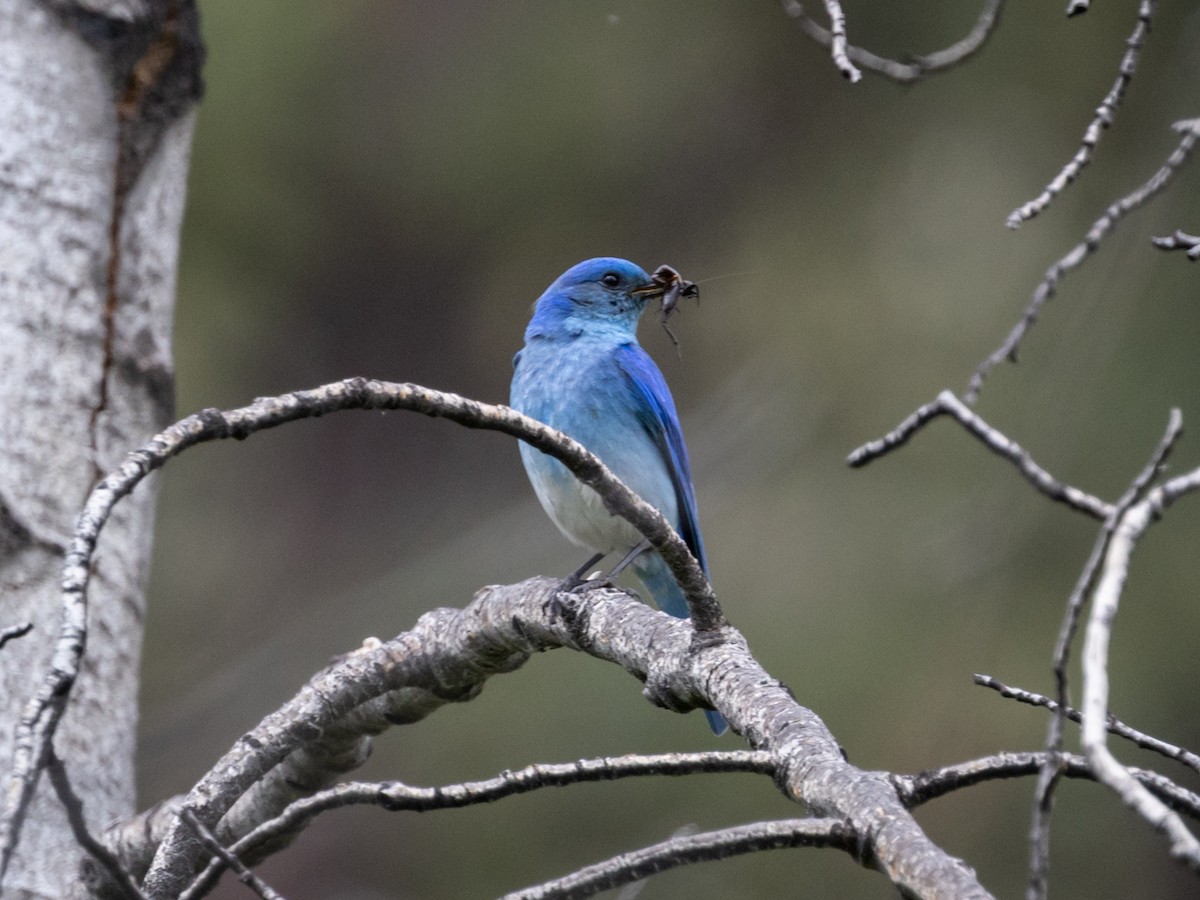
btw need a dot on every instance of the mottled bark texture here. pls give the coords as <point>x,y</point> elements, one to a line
<point>95,107</point>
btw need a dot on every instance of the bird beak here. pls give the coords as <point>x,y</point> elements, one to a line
<point>653,289</point>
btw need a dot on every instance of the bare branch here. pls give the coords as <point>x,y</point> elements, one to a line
<point>1113,724</point>
<point>117,876</point>
<point>1180,240</point>
<point>134,840</point>
<point>42,713</point>
<point>1155,465</point>
<point>450,653</point>
<point>1172,490</point>
<point>684,850</point>
<point>837,43</point>
<point>1052,770</point>
<point>395,796</point>
<point>1081,251</point>
<point>245,876</point>
<point>917,789</point>
<point>947,404</point>
<point>920,65</point>
<point>1087,578</point>
<point>1048,778</point>
<point>1129,528</point>
<point>1105,114</point>
<point>15,631</point>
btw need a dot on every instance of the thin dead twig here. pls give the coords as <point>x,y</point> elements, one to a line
<point>1048,286</point>
<point>244,875</point>
<point>1106,114</point>
<point>918,66</point>
<point>947,404</point>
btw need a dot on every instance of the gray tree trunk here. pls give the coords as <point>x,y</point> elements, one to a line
<point>95,128</point>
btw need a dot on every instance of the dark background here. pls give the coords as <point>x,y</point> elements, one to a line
<point>383,189</point>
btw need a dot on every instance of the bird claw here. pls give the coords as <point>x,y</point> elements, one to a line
<point>577,587</point>
<point>571,584</point>
<point>561,604</point>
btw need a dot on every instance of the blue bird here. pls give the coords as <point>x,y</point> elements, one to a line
<point>583,372</point>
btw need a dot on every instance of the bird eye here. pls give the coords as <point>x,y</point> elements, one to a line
<point>611,279</point>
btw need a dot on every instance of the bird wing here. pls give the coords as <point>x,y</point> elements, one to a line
<point>656,412</point>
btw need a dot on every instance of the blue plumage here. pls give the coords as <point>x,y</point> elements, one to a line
<point>583,372</point>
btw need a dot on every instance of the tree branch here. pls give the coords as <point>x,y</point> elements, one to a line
<point>1046,289</point>
<point>245,876</point>
<point>920,65</point>
<point>837,46</point>
<point>1180,240</point>
<point>15,631</point>
<point>118,877</point>
<point>43,712</point>
<point>1103,576</point>
<point>1043,804</point>
<point>693,848</point>
<point>1113,724</point>
<point>947,404</point>
<point>1105,114</point>
<point>395,796</point>
<point>1128,529</point>
<point>918,789</point>
<point>450,653</point>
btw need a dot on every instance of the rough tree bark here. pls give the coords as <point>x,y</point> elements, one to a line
<point>95,103</point>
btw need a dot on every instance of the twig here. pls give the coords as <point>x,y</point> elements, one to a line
<point>837,44</point>
<point>1105,601</point>
<point>921,65</point>
<point>1083,585</point>
<point>1179,486</point>
<point>1051,770</point>
<point>704,847</point>
<point>1091,242</point>
<point>395,796</point>
<point>15,631</point>
<point>449,654</point>
<point>947,404</point>
<point>1112,514</point>
<point>1052,767</point>
<point>1105,114</point>
<point>1180,240</point>
<point>915,790</point>
<point>1113,724</point>
<point>117,875</point>
<point>245,876</point>
<point>42,713</point>
<point>1043,802</point>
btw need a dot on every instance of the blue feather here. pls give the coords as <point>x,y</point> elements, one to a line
<point>656,410</point>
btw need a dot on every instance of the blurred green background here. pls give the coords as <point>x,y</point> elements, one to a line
<point>383,189</point>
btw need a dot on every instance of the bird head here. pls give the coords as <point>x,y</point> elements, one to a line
<point>603,292</point>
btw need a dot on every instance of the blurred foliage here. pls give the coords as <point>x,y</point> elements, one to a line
<point>383,189</point>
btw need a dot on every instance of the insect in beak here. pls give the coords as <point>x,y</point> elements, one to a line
<point>669,284</point>
<point>673,287</point>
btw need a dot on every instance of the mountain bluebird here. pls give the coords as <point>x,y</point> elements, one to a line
<point>583,372</point>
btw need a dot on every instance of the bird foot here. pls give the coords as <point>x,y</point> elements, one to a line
<point>561,604</point>
<point>582,586</point>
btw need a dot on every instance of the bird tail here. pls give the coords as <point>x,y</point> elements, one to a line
<point>654,574</point>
